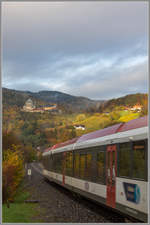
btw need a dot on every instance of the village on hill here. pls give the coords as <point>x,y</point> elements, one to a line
<point>29,106</point>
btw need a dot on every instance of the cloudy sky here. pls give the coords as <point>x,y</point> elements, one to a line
<point>93,49</point>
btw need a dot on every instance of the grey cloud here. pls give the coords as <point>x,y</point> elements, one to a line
<point>75,47</point>
<point>121,83</point>
<point>90,78</point>
<point>72,27</point>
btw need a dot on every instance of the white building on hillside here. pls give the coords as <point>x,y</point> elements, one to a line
<point>79,127</point>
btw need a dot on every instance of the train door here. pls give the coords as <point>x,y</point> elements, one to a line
<point>111,171</point>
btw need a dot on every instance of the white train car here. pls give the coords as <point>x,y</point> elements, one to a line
<point>109,166</point>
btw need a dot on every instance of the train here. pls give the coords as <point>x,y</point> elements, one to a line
<point>109,166</point>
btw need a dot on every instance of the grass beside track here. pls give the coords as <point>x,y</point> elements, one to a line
<point>19,212</point>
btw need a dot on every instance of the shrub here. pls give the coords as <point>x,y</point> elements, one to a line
<point>129,117</point>
<point>12,168</point>
<point>29,154</point>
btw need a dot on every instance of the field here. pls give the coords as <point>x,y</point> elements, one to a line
<point>101,120</point>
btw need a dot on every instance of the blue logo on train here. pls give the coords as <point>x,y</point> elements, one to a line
<point>132,192</point>
<point>137,194</point>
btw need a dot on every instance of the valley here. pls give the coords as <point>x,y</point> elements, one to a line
<point>36,129</point>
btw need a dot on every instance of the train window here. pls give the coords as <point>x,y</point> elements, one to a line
<point>63,162</point>
<point>69,164</point>
<point>100,166</point>
<point>58,163</point>
<point>88,171</point>
<point>76,164</point>
<point>54,163</point>
<point>124,159</point>
<point>60,160</point>
<point>46,162</point>
<point>139,160</point>
<point>82,165</point>
<point>51,163</point>
<point>108,160</point>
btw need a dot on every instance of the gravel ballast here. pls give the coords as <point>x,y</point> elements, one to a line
<point>56,204</point>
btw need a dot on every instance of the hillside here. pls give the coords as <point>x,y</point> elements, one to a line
<point>68,102</point>
<point>46,129</point>
<point>125,101</point>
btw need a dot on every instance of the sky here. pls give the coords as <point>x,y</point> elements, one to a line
<point>95,49</point>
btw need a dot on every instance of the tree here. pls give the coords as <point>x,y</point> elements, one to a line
<point>29,154</point>
<point>80,117</point>
<point>12,172</point>
<point>72,134</point>
<point>8,139</point>
<point>115,115</point>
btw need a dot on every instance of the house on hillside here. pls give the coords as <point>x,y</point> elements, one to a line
<point>30,107</point>
<point>136,107</point>
<point>50,108</point>
<point>79,127</point>
<point>38,110</point>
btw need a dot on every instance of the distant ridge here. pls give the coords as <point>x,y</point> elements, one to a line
<point>68,102</point>
<point>128,101</point>
<point>17,98</point>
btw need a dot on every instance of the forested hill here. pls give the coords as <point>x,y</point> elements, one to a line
<point>47,129</point>
<point>68,102</point>
<point>126,101</point>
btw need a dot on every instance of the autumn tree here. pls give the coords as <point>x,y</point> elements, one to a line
<point>12,170</point>
<point>8,139</point>
<point>29,153</point>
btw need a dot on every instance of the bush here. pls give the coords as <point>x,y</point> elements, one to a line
<point>12,168</point>
<point>129,117</point>
<point>29,154</point>
<point>8,139</point>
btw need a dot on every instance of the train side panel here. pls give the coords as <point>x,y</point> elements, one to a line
<point>52,176</point>
<point>108,169</point>
<point>132,193</point>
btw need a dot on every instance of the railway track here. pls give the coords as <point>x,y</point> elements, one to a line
<point>57,204</point>
<point>100,210</point>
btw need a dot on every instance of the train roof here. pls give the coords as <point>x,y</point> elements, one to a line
<point>62,144</point>
<point>69,142</point>
<point>100,133</point>
<point>117,128</point>
<point>47,149</point>
<point>121,127</point>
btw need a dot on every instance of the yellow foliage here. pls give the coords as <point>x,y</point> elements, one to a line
<point>129,117</point>
<point>12,167</point>
<point>80,118</point>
